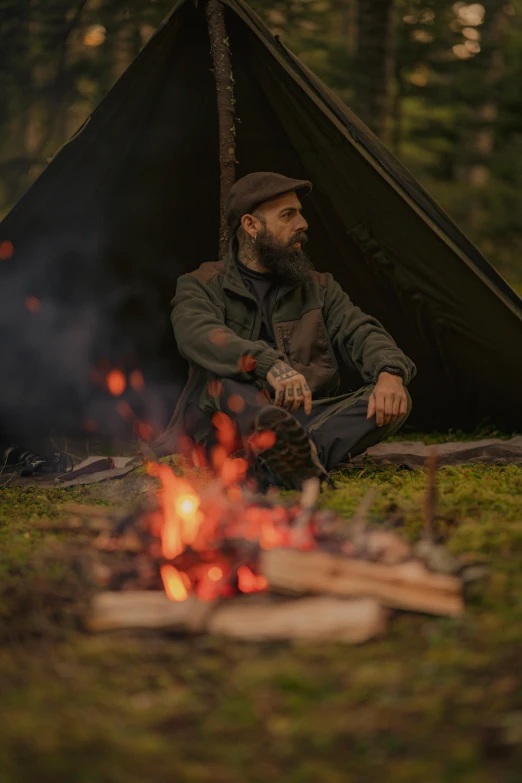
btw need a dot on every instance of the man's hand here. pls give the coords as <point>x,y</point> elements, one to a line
<point>291,388</point>
<point>388,400</point>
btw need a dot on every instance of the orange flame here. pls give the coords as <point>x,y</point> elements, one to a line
<point>173,583</point>
<point>248,582</point>
<point>180,505</point>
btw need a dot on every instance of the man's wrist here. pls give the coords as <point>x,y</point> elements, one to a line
<point>393,371</point>
<point>396,375</point>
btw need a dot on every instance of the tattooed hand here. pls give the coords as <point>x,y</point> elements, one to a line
<point>291,388</point>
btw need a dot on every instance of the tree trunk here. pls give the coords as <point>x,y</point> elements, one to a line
<point>344,22</point>
<point>375,57</point>
<point>478,134</point>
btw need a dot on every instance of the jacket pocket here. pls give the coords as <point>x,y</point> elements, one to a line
<point>306,345</point>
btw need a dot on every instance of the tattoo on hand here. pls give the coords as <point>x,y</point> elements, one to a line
<point>282,371</point>
<point>299,392</point>
<point>290,392</point>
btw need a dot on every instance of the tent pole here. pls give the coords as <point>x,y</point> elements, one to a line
<point>220,48</point>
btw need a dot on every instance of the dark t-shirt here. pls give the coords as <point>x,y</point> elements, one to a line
<point>264,287</point>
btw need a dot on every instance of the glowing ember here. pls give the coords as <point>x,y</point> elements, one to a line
<point>215,388</point>
<point>215,573</point>
<point>125,410</point>
<point>236,403</point>
<point>32,304</point>
<point>247,363</point>
<point>116,382</point>
<point>6,250</point>
<point>143,430</point>
<point>136,380</point>
<point>218,337</point>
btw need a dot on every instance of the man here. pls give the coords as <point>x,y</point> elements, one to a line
<point>262,329</point>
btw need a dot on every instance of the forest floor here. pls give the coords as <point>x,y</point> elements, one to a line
<point>434,700</point>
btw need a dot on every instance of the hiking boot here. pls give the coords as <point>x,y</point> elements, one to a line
<point>292,458</point>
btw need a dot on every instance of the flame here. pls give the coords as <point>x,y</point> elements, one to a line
<point>248,582</point>
<point>116,382</point>
<point>202,533</point>
<point>180,506</point>
<point>173,583</point>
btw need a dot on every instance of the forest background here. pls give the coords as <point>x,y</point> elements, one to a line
<point>439,82</point>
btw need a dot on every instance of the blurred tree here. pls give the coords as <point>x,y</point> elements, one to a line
<point>375,64</point>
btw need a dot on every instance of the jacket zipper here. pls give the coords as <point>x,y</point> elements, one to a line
<point>286,344</point>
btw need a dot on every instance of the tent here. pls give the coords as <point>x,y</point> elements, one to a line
<point>132,201</point>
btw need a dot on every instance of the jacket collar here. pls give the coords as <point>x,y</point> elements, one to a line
<point>233,280</point>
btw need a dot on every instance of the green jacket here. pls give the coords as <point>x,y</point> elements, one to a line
<point>217,321</point>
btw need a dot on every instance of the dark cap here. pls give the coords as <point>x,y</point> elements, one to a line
<point>249,192</point>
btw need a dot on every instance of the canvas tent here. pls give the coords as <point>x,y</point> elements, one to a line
<point>132,201</point>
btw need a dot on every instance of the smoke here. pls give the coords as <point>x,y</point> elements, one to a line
<point>67,318</point>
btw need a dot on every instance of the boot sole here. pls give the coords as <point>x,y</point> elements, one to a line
<point>291,459</point>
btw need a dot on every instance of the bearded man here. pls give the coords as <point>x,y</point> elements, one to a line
<point>262,331</point>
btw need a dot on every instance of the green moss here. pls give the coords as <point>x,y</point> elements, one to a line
<point>433,700</point>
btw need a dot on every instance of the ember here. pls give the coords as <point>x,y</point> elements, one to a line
<point>116,382</point>
<point>6,250</point>
<point>32,303</point>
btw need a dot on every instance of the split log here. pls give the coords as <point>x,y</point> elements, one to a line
<point>406,586</point>
<point>322,618</point>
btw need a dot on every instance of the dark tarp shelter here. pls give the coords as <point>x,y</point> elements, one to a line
<point>132,201</point>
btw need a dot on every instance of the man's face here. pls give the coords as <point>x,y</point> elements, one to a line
<point>281,238</point>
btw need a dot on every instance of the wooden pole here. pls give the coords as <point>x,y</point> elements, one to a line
<point>221,56</point>
<point>430,498</point>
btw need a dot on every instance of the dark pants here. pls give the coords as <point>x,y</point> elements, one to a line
<point>338,425</point>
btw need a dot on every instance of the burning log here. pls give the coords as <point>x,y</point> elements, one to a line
<point>406,586</point>
<point>313,619</point>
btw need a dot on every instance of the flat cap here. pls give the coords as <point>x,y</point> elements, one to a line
<point>249,192</point>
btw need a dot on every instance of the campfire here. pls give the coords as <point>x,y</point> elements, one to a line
<point>204,552</point>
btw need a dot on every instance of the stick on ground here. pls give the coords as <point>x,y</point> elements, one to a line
<point>430,500</point>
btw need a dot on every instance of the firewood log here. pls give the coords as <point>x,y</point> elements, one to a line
<point>406,586</point>
<point>318,618</point>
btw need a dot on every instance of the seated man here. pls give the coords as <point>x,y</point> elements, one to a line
<point>261,330</point>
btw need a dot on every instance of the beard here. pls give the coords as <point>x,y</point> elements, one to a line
<point>288,264</point>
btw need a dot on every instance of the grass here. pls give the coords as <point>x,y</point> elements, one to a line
<point>434,700</point>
